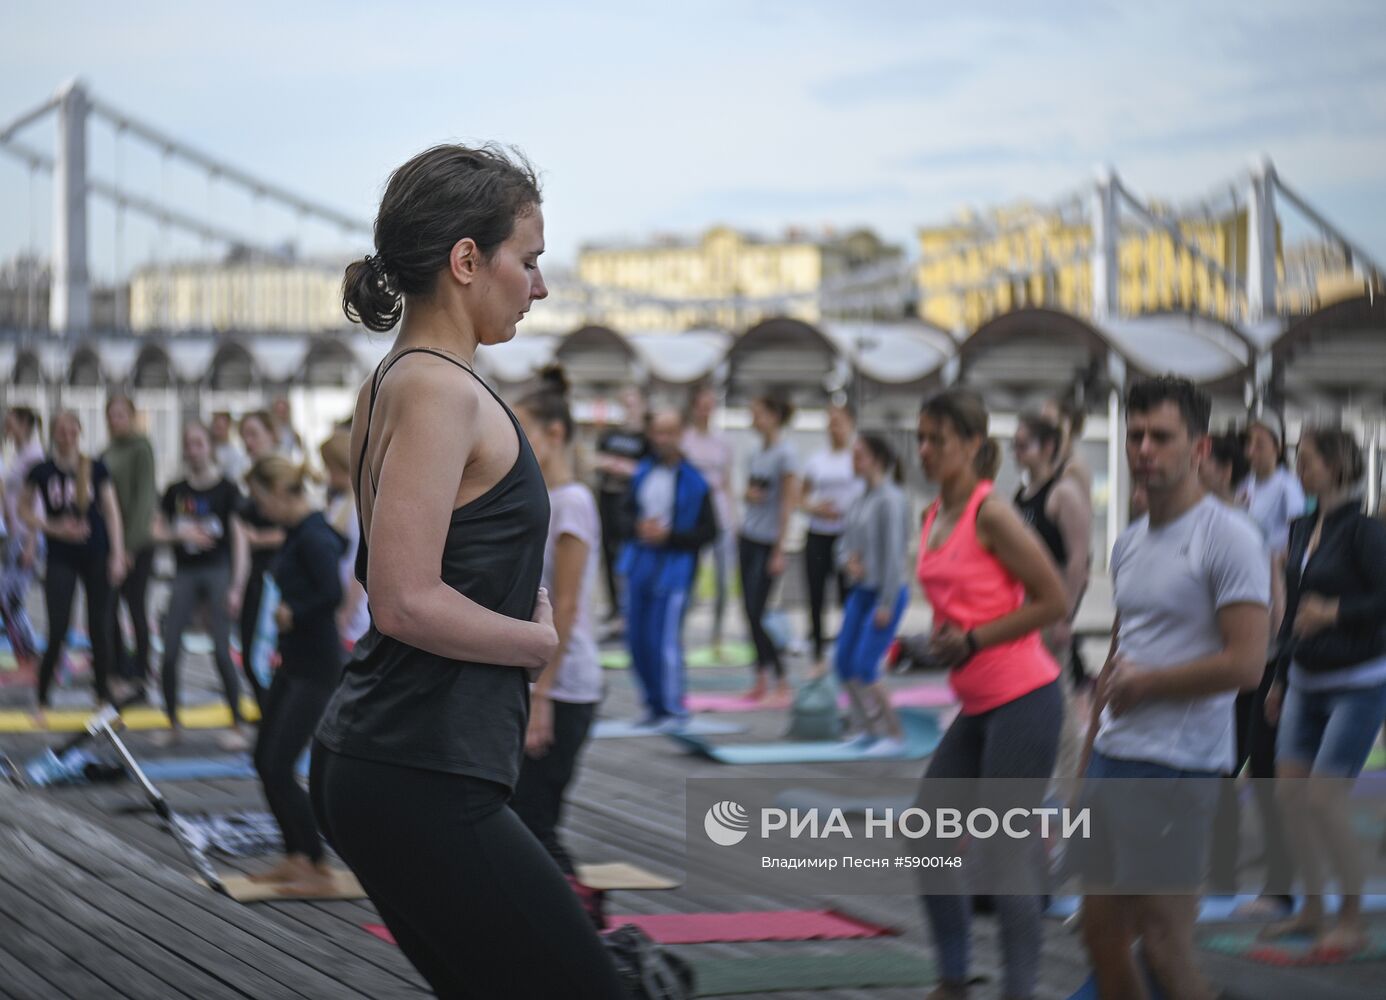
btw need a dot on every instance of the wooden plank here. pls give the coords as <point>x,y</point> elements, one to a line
<point>34,968</point>
<point>279,952</point>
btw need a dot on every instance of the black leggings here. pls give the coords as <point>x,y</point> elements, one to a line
<point>194,587</point>
<point>819,565</point>
<point>293,709</point>
<point>134,591</point>
<point>615,530</point>
<point>250,618</point>
<point>473,899</point>
<point>59,591</point>
<point>538,799</point>
<point>1255,750</point>
<point>756,582</point>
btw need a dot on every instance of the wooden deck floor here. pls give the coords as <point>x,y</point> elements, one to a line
<point>97,901</point>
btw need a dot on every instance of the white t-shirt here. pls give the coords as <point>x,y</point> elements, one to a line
<point>341,515</point>
<point>1169,584</point>
<point>828,477</point>
<point>573,511</point>
<point>656,497</point>
<point>1273,503</point>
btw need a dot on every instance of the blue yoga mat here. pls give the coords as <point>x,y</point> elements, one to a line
<point>206,768</point>
<point>617,729</point>
<point>1216,909</point>
<point>921,738</point>
<point>1088,991</point>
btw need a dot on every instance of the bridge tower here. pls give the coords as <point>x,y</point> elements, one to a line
<point>69,300</point>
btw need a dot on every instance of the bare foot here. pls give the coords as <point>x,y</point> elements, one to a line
<point>167,737</point>
<point>1308,922</point>
<point>1344,938</point>
<point>40,716</point>
<point>288,870</point>
<point>1261,908</point>
<point>757,691</point>
<point>319,883</point>
<point>234,741</point>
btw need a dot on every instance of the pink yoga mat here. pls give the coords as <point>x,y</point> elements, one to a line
<point>770,925</point>
<point>918,696</point>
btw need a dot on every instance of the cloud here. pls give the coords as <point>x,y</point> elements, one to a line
<point>905,81</point>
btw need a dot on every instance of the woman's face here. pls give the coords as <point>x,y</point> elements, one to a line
<point>510,282</point>
<point>864,463</point>
<point>67,432</point>
<point>197,448</point>
<point>839,425</point>
<point>704,403</point>
<point>257,438</point>
<point>1314,474</point>
<point>1261,451</point>
<point>763,419</point>
<point>272,503</point>
<point>943,454</point>
<point>543,441</point>
<point>1026,448</point>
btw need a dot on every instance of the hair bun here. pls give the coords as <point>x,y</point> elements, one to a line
<point>369,297</point>
<point>555,379</point>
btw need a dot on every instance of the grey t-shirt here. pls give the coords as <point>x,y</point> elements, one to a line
<point>1169,584</point>
<point>1274,502</point>
<point>768,468</point>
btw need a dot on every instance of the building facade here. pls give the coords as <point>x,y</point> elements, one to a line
<point>725,278</point>
<point>244,293</point>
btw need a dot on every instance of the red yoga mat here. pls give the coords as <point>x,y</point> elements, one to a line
<point>769,925</point>
<point>707,928</point>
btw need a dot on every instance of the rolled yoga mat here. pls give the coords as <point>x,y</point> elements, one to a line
<point>921,730</point>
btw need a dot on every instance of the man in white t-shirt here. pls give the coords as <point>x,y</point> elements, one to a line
<point>1191,585</point>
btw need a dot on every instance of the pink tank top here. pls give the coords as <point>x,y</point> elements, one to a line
<point>967,586</point>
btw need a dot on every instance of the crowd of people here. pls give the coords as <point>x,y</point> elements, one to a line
<point>1248,623</point>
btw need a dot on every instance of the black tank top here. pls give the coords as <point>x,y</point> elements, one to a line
<point>1033,512</point>
<point>402,705</point>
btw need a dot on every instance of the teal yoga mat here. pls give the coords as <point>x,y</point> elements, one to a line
<point>922,734</point>
<point>206,768</point>
<point>876,968</point>
<point>1216,909</point>
<point>1291,951</point>
<point>617,729</point>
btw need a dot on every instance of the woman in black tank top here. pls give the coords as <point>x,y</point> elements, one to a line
<point>419,749</point>
<point>1055,507</point>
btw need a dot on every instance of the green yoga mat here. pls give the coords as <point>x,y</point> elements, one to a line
<point>1291,951</point>
<point>1377,760</point>
<point>876,968</point>
<point>734,654</point>
<point>922,735</point>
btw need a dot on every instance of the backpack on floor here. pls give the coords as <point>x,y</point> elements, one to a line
<point>814,714</point>
<point>646,970</point>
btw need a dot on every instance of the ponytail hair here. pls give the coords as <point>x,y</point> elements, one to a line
<point>548,404</point>
<point>882,451</point>
<point>965,411</point>
<point>275,472</point>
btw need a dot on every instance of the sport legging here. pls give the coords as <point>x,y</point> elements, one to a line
<point>819,566</point>
<point>59,591</point>
<point>1020,739</point>
<point>134,591</point>
<point>473,899</point>
<point>195,586</point>
<point>293,708</point>
<point>756,582</point>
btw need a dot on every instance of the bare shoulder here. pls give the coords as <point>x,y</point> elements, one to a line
<point>997,519</point>
<point>1068,490</point>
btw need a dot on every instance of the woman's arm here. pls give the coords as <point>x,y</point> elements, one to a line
<point>115,527</point>
<point>1006,536</point>
<point>569,560</point>
<point>410,515</point>
<point>1074,518</point>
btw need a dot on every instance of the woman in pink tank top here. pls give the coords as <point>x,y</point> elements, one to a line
<point>992,587</point>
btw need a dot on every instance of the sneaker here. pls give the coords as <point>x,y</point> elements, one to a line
<point>672,724</point>
<point>888,746</point>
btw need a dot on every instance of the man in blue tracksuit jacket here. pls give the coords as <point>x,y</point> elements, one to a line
<point>672,509</point>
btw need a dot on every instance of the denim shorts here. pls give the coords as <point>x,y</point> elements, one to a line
<point>1331,732</point>
<point>1151,830</point>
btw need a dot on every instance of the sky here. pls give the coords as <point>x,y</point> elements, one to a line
<point>668,118</point>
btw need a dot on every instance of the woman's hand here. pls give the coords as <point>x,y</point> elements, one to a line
<point>948,645</point>
<point>543,615</point>
<point>115,568</point>
<point>1315,614</point>
<point>283,618</point>
<point>539,736</point>
<point>883,617</point>
<point>776,567</point>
